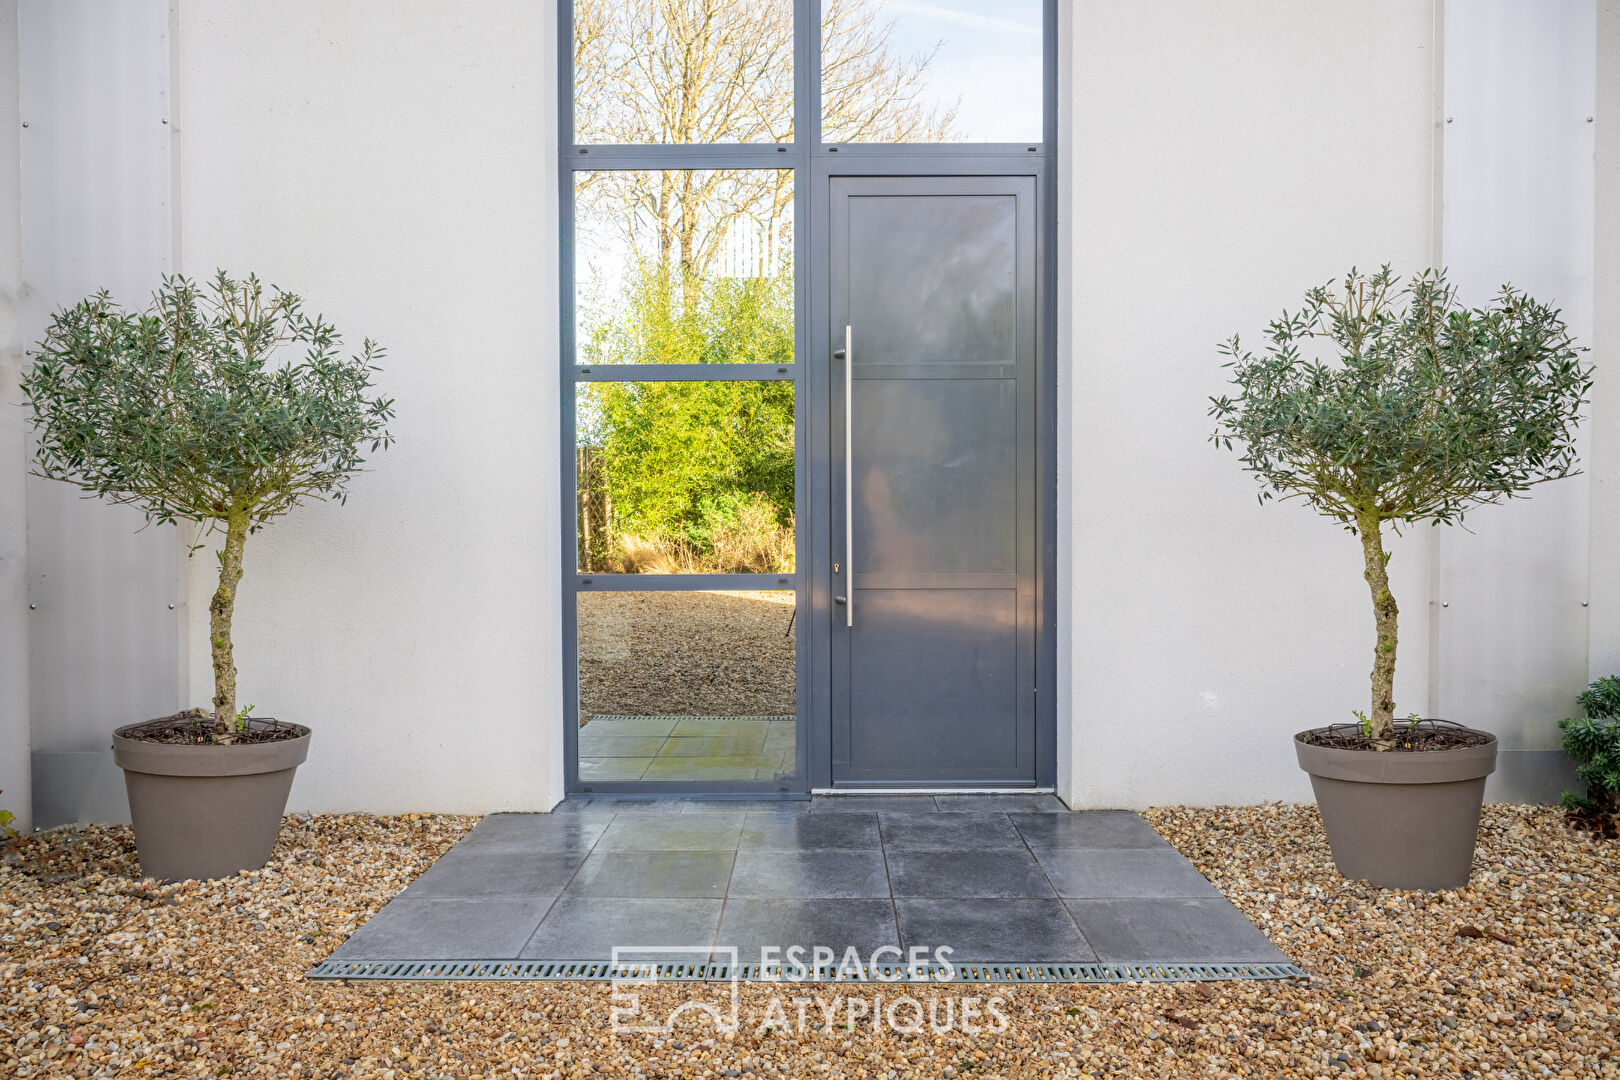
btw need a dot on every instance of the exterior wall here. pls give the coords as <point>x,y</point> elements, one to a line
<point>95,185</point>
<point>1220,158</point>
<point>15,773</point>
<point>1604,656</point>
<point>1511,633</point>
<point>398,169</point>
<point>396,166</point>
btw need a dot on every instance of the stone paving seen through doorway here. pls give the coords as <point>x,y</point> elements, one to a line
<point>687,748</point>
<point>997,879</point>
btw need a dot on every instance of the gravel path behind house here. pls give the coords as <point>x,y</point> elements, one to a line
<point>686,654</point>
<point>102,974</point>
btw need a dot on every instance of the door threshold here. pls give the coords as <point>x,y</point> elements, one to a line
<point>935,791</point>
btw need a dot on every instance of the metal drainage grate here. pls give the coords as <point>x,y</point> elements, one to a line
<point>599,971</point>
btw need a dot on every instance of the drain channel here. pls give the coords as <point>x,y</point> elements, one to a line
<point>602,971</point>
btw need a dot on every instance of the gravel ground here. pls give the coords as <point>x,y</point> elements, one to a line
<point>106,975</point>
<point>685,654</point>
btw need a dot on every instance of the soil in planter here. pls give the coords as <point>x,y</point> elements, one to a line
<point>1419,736</point>
<point>195,727</point>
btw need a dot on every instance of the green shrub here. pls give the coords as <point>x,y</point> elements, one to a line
<point>1594,744</point>
<point>680,471</point>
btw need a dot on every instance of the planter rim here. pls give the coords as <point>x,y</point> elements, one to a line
<point>1397,767</point>
<point>208,759</point>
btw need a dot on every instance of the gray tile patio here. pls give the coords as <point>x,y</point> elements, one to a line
<point>994,878</point>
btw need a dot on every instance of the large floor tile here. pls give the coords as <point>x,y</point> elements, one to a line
<point>751,925</point>
<point>471,872</point>
<point>641,746</point>
<point>671,874</point>
<point>534,832</point>
<point>741,767</point>
<point>773,807</point>
<point>676,832</point>
<point>946,832</point>
<point>1087,829</point>
<point>589,927</point>
<point>630,725</point>
<point>870,804</point>
<point>775,831</point>
<point>1005,804</point>
<point>811,874</point>
<point>721,726</point>
<point>1110,873</point>
<point>967,874</point>
<point>739,745</point>
<point>613,768</point>
<point>611,804</point>
<point>999,930</point>
<point>446,930</point>
<point>1172,931</point>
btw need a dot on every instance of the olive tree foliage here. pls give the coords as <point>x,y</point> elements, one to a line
<point>1380,403</point>
<point>192,411</point>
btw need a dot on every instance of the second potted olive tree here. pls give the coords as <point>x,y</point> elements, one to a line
<point>224,406</point>
<point>1381,405</point>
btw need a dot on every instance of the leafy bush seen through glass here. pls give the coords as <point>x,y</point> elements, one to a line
<point>690,477</point>
<point>1424,410</point>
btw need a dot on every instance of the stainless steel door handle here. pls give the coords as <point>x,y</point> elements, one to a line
<point>849,479</point>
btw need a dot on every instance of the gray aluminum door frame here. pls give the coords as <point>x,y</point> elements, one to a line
<point>814,163</point>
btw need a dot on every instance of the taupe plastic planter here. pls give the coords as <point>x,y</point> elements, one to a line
<point>206,811</point>
<point>1401,820</point>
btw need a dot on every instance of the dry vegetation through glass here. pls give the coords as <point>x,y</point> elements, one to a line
<point>686,653</point>
<point>686,685</point>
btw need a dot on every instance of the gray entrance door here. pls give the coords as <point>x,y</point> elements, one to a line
<point>933,288</point>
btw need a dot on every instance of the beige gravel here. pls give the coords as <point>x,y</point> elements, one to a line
<point>105,975</point>
<point>686,654</point>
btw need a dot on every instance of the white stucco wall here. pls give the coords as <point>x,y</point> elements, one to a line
<point>14,727</point>
<point>1512,637</point>
<point>395,164</point>
<point>1604,658</point>
<point>1221,158</point>
<point>103,593</point>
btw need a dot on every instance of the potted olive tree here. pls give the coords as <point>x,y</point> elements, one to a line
<point>197,410</point>
<point>1382,405</point>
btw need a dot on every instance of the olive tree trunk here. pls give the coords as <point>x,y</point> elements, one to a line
<point>220,610</point>
<point>1385,614</point>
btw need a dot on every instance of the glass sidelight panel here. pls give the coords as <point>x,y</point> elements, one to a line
<point>938,72</point>
<point>684,266</point>
<point>686,685</point>
<point>685,477</point>
<point>679,71</point>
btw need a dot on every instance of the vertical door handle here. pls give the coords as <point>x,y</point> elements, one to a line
<point>849,479</point>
